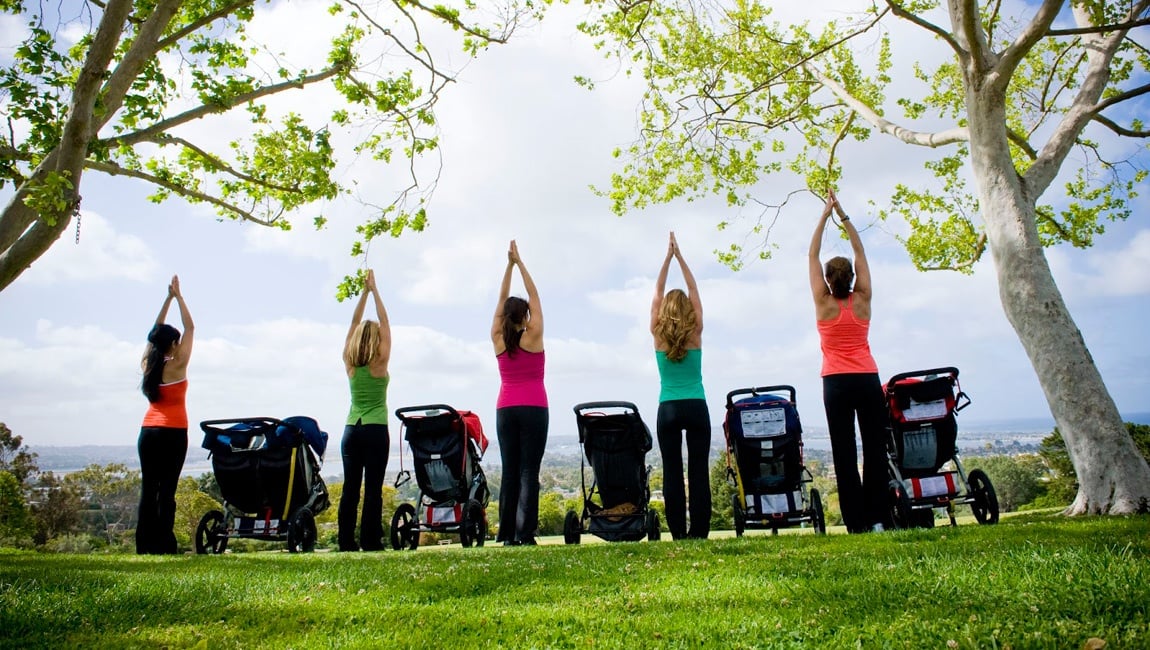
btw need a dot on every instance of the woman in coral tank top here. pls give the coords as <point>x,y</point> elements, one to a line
<point>851,385</point>
<point>163,442</point>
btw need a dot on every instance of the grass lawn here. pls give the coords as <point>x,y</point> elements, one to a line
<point>1035,581</point>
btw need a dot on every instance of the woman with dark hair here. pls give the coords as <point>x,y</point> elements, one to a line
<point>163,441</point>
<point>851,385</point>
<point>677,327</point>
<point>521,415</point>
<point>366,440</point>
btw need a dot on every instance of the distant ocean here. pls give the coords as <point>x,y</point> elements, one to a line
<point>972,434</point>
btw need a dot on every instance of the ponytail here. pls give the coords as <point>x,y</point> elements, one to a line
<point>160,341</point>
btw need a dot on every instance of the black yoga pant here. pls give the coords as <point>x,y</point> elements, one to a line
<point>677,419</point>
<point>364,450</point>
<point>522,432</point>
<point>162,451</point>
<point>845,398</point>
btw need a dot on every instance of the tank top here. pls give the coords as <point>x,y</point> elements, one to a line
<point>171,409</point>
<point>521,379</point>
<point>844,343</point>
<point>682,379</point>
<point>368,397</point>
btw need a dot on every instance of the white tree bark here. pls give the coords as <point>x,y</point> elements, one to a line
<point>1113,476</point>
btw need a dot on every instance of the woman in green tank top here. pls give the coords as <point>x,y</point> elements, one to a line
<point>365,444</point>
<point>677,327</point>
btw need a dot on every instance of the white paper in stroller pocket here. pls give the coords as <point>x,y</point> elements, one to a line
<point>931,410</point>
<point>770,504</point>
<point>764,423</point>
<point>932,486</point>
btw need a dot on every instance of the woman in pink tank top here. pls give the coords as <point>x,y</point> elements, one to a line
<point>851,385</point>
<point>521,414</point>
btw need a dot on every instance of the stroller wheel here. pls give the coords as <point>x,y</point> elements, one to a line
<point>404,528</point>
<point>302,532</point>
<point>818,518</point>
<point>571,528</point>
<point>211,534</point>
<point>474,527</point>
<point>900,506</point>
<point>653,532</point>
<point>738,515</point>
<point>985,504</point>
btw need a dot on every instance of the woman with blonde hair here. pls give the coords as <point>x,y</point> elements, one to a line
<point>677,327</point>
<point>851,385</point>
<point>365,444</point>
<point>521,413</point>
<point>163,441</point>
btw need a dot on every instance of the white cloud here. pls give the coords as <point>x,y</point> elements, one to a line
<point>102,254</point>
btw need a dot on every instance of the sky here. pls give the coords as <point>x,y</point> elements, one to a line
<point>521,145</point>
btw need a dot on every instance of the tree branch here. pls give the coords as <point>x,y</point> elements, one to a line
<point>1100,50</point>
<point>152,133</point>
<point>1021,142</point>
<point>222,166</point>
<point>113,169</point>
<point>182,33</point>
<point>1121,97</point>
<point>1034,31</point>
<point>979,250</point>
<point>897,10</point>
<point>141,51</point>
<point>1119,129</point>
<point>950,136</point>
<point>1100,29</point>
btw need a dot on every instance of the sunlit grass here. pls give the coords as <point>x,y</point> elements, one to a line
<point>1033,581</point>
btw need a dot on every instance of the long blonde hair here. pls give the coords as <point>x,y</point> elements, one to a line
<point>676,323</point>
<point>363,346</point>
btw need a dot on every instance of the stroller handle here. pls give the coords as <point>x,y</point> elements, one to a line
<point>948,370</point>
<point>422,410</point>
<point>218,426</point>
<point>580,409</point>
<point>790,390</point>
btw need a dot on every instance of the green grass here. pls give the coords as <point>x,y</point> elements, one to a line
<point>1035,581</point>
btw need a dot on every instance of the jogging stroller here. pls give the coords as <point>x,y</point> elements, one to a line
<point>268,471</point>
<point>923,446</point>
<point>765,462</point>
<point>615,442</point>
<point>446,447</point>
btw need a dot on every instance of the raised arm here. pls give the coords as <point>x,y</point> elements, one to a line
<point>661,284</point>
<point>356,319</point>
<point>819,288</point>
<point>504,292</point>
<point>188,337</point>
<point>862,286</point>
<point>535,324</point>
<point>692,287</point>
<point>384,350</point>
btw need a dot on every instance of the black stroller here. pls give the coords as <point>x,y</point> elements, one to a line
<point>615,441</point>
<point>268,471</point>
<point>922,407</point>
<point>446,446</point>
<point>765,462</point>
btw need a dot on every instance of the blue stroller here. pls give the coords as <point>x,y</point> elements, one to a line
<point>268,471</point>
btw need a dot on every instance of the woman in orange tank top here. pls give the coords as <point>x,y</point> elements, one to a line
<point>163,441</point>
<point>851,385</point>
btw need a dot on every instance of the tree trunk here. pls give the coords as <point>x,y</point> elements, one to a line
<point>1113,476</point>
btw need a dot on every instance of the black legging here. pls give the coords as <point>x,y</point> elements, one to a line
<point>162,451</point>
<point>522,432</point>
<point>863,503</point>
<point>364,449</point>
<point>676,417</point>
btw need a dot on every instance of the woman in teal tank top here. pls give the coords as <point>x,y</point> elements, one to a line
<point>365,444</point>
<point>677,327</point>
